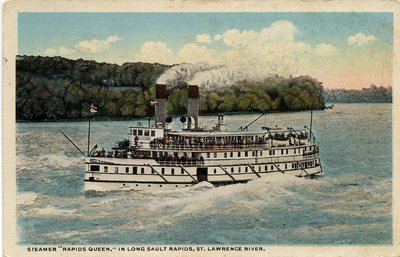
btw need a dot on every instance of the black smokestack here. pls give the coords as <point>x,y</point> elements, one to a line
<point>161,109</point>
<point>193,106</point>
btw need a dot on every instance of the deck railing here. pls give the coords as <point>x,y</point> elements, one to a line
<point>220,146</point>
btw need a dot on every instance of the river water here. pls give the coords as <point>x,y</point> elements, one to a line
<point>351,204</point>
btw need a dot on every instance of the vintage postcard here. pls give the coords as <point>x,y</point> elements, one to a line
<point>200,128</point>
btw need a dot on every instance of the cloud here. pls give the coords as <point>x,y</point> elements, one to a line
<point>193,53</point>
<point>155,52</point>
<point>325,49</point>
<point>203,38</point>
<point>50,52</point>
<point>217,37</point>
<point>248,54</point>
<point>66,51</point>
<point>360,39</point>
<point>237,39</point>
<point>280,31</point>
<point>96,45</point>
<point>62,51</point>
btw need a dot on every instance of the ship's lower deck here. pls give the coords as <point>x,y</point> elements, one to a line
<point>103,174</point>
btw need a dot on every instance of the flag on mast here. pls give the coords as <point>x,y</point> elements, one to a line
<point>93,108</point>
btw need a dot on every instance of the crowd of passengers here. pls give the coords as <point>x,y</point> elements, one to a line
<point>146,155</point>
<point>110,154</point>
<point>180,160</point>
<point>212,142</point>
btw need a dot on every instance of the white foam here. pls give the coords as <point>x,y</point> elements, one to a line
<point>26,198</point>
<point>54,161</point>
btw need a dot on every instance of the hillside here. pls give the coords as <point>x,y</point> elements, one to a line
<point>55,87</point>
<point>50,88</point>
<point>373,94</point>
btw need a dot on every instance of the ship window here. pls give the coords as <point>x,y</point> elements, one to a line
<point>239,169</point>
<point>208,155</point>
<point>292,165</point>
<point>127,170</point>
<point>238,154</point>
<point>231,154</point>
<point>270,152</point>
<point>215,155</point>
<point>285,166</point>
<point>245,169</point>
<point>94,168</point>
<point>134,170</point>
<point>287,151</point>
<point>153,133</point>
<point>116,169</point>
<point>105,168</point>
<point>232,170</point>
<point>294,150</point>
<point>246,154</point>
<point>172,171</point>
<point>142,170</point>
<point>215,171</point>
<point>152,171</point>
<point>259,168</point>
<point>254,153</point>
<point>146,132</point>
<point>282,151</point>
<point>162,170</point>
<point>225,155</point>
<point>140,132</point>
<point>261,152</point>
<point>182,171</point>
<point>134,132</point>
<point>272,167</point>
<point>266,167</point>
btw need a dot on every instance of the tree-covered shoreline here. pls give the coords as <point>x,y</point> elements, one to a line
<point>56,88</point>
<point>372,94</point>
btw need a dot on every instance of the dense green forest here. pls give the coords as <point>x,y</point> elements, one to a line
<point>373,94</point>
<point>57,88</point>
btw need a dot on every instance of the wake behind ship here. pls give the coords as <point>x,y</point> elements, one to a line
<point>155,157</point>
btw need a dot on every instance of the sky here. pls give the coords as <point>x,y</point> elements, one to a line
<point>342,50</point>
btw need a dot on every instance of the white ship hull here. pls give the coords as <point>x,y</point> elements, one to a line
<point>104,174</point>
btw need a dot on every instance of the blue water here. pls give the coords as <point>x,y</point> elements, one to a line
<point>351,204</point>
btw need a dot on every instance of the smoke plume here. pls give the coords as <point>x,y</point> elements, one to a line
<point>209,77</point>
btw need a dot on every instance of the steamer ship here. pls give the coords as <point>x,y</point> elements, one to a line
<point>156,157</point>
